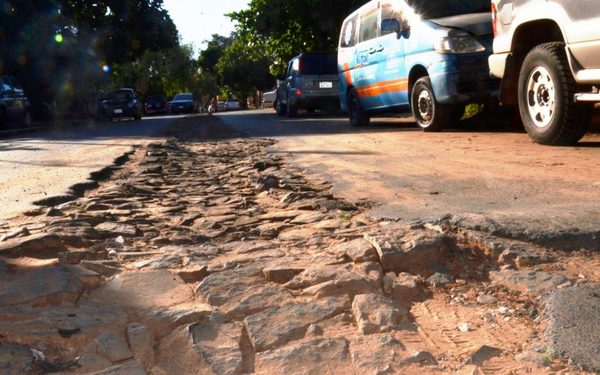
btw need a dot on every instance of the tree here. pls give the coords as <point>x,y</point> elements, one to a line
<point>282,29</point>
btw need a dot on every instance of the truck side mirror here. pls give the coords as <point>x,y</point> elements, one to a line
<point>391,25</point>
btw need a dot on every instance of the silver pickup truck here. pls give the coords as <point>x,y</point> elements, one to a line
<point>547,53</point>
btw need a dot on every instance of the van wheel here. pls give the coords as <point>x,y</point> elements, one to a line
<point>358,116</point>
<point>547,103</point>
<point>430,115</point>
<point>292,110</point>
<point>280,109</point>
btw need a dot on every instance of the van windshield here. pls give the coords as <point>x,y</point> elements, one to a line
<point>428,9</point>
<point>321,63</point>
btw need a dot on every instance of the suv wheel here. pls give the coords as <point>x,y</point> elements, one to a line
<point>292,110</point>
<point>430,115</point>
<point>358,116</point>
<point>280,109</point>
<point>547,98</point>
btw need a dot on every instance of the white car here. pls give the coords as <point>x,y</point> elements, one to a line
<point>269,99</point>
<point>232,105</point>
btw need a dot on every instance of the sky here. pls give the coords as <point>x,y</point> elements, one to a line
<point>197,20</point>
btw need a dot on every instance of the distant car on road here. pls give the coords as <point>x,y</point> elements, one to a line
<point>220,105</point>
<point>124,102</point>
<point>269,99</point>
<point>14,105</point>
<point>232,105</point>
<point>311,83</point>
<point>183,103</point>
<point>156,104</point>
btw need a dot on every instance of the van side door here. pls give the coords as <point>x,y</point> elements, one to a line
<point>366,77</point>
<point>393,84</point>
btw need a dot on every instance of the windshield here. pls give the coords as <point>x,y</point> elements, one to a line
<point>322,63</point>
<point>120,95</point>
<point>181,97</point>
<point>428,9</point>
<point>155,99</point>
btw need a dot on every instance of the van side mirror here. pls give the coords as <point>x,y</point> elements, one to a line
<point>391,25</point>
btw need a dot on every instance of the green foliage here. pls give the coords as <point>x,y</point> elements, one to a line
<point>282,29</point>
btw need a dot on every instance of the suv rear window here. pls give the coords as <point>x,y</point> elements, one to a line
<point>321,63</point>
<point>438,9</point>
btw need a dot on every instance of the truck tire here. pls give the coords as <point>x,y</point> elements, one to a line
<point>292,110</point>
<point>430,115</point>
<point>547,98</point>
<point>358,116</point>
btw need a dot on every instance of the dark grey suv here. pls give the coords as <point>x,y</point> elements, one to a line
<point>310,83</point>
<point>14,105</point>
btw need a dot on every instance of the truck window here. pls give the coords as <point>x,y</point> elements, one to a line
<point>320,63</point>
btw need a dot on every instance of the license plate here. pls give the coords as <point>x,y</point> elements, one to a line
<point>180,107</point>
<point>326,85</point>
<point>118,111</point>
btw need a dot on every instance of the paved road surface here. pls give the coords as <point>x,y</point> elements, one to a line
<point>532,191</point>
<point>46,163</point>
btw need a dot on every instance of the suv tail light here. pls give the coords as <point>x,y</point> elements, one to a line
<point>494,17</point>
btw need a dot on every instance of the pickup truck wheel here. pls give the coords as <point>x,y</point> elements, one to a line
<point>358,116</point>
<point>547,98</point>
<point>430,115</point>
<point>279,108</point>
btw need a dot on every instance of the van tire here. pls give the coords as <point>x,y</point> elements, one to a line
<point>279,108</point>
<point>358,116</point>
<point>430,115</point>
<point>546,70</point>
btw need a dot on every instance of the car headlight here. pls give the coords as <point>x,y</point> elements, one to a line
<point>457,42</point>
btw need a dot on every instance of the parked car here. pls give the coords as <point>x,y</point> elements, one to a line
<point>425,56</point>
<point>310,83</point>
<point>220,105</point>
<point>156,104</point>
<point>14,105</point>
<point>548,56</point>
<point>269,99</point>
<point>232,105</point>
<point>124,102</point>
<point>183,103</point>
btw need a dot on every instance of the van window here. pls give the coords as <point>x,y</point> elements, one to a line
<point>389,11</point>
<point>348,37</point>
<point>438,9</point>
<point>368,25</point>
<point>319,63</point>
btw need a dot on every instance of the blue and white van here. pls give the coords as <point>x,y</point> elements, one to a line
<point>429,56</point>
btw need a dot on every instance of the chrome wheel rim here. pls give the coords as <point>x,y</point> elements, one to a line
<point>541,97</point>
<point>425,106</point>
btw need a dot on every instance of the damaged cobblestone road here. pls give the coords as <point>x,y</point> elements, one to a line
<point>224,257</point>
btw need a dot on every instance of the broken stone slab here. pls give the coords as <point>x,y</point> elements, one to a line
<point>193,274</point>
<point>403,288</point>
<point>276,326</point>
<point>309,218</point>
<point>341,287</point>
<point>283,270</point>
<point>377,354</point>
<point>484,353</point>
<point>132,367</point>
<point>357,250</point>
<point>318,274</point>
<point>260,298</point>
<point>141,343</point>
<point>210,348</point>
<point>157,260</point>
<point>534,282</point>
<point>67,326</point>
<point>574,323</point>
<point>317,356</point>
<point>143,290</point>
<point>227,286</point>
<point>19,232</point>
<point>280,215</point>
<point>113,347</point>
<point>375,313</point>
<point>53,285</point>
<point>15,359</point>
<point>35,246</point>
<point>113,230</point>
<point>300,234</point>
<point>165,320</point>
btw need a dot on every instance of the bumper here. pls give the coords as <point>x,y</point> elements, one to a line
<point>115,112</point>
<point>463,79</point>
<point>497,63</point>
<point>315,101</point>
<point>181,109</point>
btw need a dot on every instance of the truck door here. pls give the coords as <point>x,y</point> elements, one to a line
<point>583,33</point>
